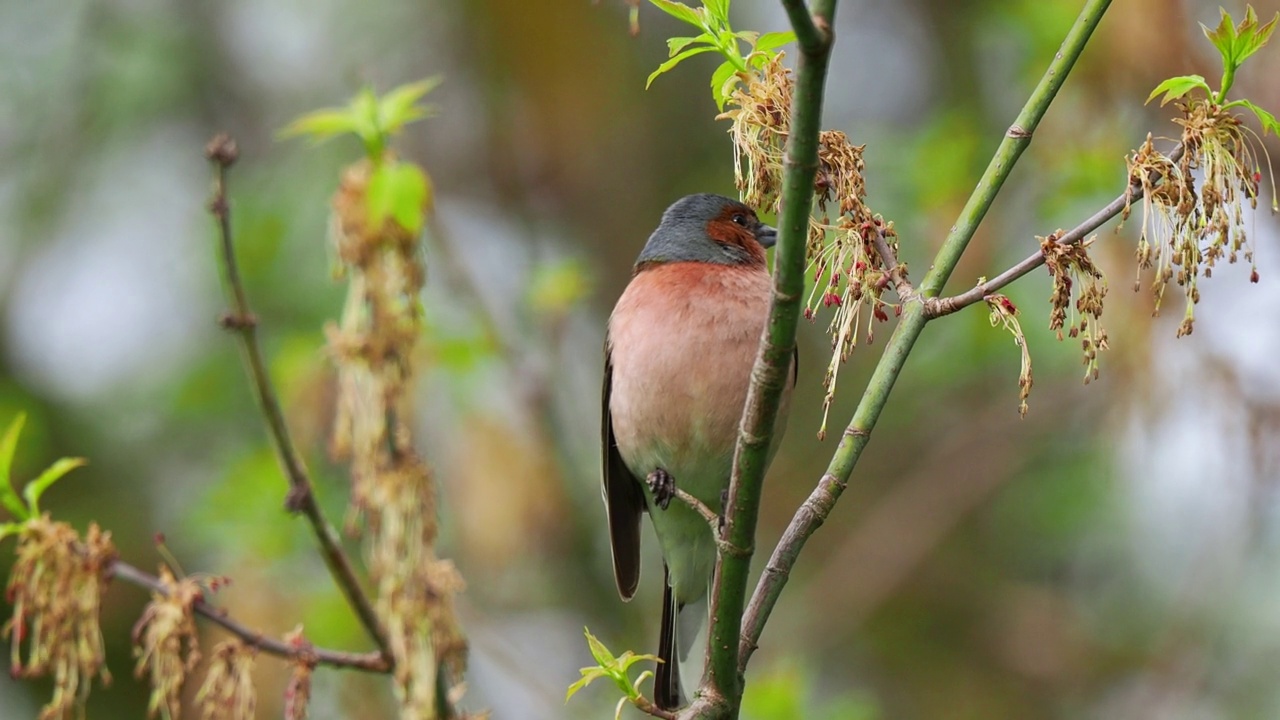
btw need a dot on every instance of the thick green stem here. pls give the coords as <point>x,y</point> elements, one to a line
<point>815,510</point>
<point>1228,79</point>
<point>721,687</point>
<point>1016,140</point>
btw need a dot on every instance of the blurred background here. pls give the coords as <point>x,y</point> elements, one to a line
<point>1114,555</point>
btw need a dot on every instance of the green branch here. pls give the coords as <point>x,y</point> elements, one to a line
<point>936,307</point>
<point>721,689</point>
<point>1015,141</point>
<point>815,509</point>
<point>813,32</point>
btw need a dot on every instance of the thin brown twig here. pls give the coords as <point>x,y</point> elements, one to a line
<point>368,662</point>
<point>937,307</point>
<point>701,508</point>
<point>222,152</point>
<point>901,285</point>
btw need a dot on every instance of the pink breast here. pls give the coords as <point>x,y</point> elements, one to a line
<point>683,338</point>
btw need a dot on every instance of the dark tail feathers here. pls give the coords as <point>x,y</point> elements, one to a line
<point>667,693</point>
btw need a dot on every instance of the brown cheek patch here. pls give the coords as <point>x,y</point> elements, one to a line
<point>726,232</point>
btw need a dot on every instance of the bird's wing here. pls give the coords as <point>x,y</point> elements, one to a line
<point>623,499</point>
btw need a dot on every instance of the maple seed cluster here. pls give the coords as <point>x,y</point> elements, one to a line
<point>228,692</point>
<point>1076,277</point>
<point>167,642</point>
<point>1186,231</point>
<point>55,588</point>
<point>840,245</point>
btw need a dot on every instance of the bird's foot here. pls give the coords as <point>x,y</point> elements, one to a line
<point>663,487</point>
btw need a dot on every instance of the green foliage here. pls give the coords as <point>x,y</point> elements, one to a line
<point>1176,87</point>
<point>28,506</point>
<point>1235,43</point>
<point>396,190</point>
<point>1266,119</point>
<point>614,668</point>
<point>717,35</point>
<point>399,191</point>
<point>371,118</point>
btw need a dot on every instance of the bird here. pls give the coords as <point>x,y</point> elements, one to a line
<point>679,348</point>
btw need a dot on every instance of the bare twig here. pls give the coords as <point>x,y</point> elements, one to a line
<point>222,152</point>
<point>368,662</point>
<point>901,285</point>
<point>937,307</point>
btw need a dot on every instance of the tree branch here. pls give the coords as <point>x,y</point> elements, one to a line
<point>721,683</point>
<point>813,31</point>
<point>901,285</point>
<point>1015,141</point>
<point>222,152</point>
<point>815,509</point>
<point>937,307</point>
<point>368,662</point>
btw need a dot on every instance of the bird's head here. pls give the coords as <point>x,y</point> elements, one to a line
<point>711,229</point>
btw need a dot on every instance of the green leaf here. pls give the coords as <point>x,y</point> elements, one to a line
<point>727,44</point>
<point>400,191</point>
<point>673,62</point>
<point>399,107</point>
<point>1266,119</point>
<point>772,40</point>
<point>588,675</point>
<point>364,112</point>
<point>598,650</point>
<point>722,82</point>
<point>719,9</point>
<point>9,445</point>
<point>676,44</point>
<point>1223,37</point>
<point>1250,37</point>
<point>610,667</point>
<point>679,11</point>
<point>46,479</point>
<point>321,125</point>
<point>1176,87</point>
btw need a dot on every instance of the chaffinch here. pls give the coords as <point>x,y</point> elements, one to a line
<point>678,356</point>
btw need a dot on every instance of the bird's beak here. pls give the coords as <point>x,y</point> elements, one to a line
<point>767,235</point>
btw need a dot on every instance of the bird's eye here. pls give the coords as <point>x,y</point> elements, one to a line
<point>740,219</point>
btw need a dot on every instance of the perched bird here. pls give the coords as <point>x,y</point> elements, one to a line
<point>678,356</point>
